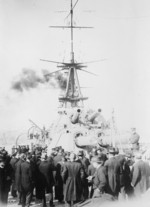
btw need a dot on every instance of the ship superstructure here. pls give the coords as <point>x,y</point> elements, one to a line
<point>76,127</point>
<point>73,96</point>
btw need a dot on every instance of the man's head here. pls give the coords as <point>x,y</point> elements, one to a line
<point>111,152</point>
<point>43,157</point>
<point>60,151</point>
<point>97,161</point>
<point>22,156</point>
<point>80,154</point>
<point>28,156</point>
<point>72,156</point>
<point>2,161</point>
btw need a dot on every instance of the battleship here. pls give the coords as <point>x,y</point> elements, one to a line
<point>76,127</point>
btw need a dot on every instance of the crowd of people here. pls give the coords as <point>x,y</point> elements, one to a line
<point>71,178</point>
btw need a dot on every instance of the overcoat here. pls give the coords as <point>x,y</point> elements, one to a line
<point>124,177</point>
<point>100,179</point>
<point>140,177</point>
<point>5,182</point>
<point>113,171</point>
<point>46,179</point>
<point>124,172</point>
<point>57,158</point>
<point>13,162</point>
<point>91,170</point>
<point>26,174</point>
<point>17,174</point>
<point>72,175</point>
<point>85,163</point>
<point>59,181</point>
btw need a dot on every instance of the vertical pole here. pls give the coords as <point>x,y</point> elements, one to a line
<point>72,53</point>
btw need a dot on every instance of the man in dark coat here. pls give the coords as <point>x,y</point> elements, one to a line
<point>46,179</point>
<point>100,176</point>
<point>125,176</point>
<point>27,181</point>
<point>36,160</point>
<point>58,178</point>
<point>13,162</point>
<point>85,163</point>
<point>58,157</point>
<point>91,172</point>
<point>72,175</point>
<point>21,159</point>
<point>140,175</point>
<point>113,170</point>
<point>5,179</point>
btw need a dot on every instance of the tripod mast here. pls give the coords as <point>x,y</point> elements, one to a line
<point>73,91</point>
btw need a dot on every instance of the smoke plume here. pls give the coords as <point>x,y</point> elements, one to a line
<point>29,79</point>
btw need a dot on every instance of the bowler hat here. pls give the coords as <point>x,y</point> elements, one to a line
<point>112,151</point>
<point>80,153</point>
<point>98,159</point>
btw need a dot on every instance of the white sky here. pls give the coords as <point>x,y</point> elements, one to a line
<point>121,34</point>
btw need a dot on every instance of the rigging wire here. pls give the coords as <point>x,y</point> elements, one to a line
<point>72,9</point>
<point>75,4</point>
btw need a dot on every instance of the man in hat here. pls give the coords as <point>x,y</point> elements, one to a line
<point>21,159</point>
<point>58,156</point>
<point>91,172</point>
<point>100,176</point>
<point>46,179</point>
<point>140,175</point>
<point>5,180</point>
<point>113,169</point>
<point>58,178</point>
<point>27,180</point>
<point>72,175</point>
<point>124,175</point>
<point>13,162</point>
<point>134,139</point>
<point>37,159</point>
<point>85,163</point>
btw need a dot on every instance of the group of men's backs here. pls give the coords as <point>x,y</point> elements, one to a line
<point>76,178</point>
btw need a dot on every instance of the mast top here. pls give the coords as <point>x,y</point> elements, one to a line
<point>71,27</point>
<point>73,93</point>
